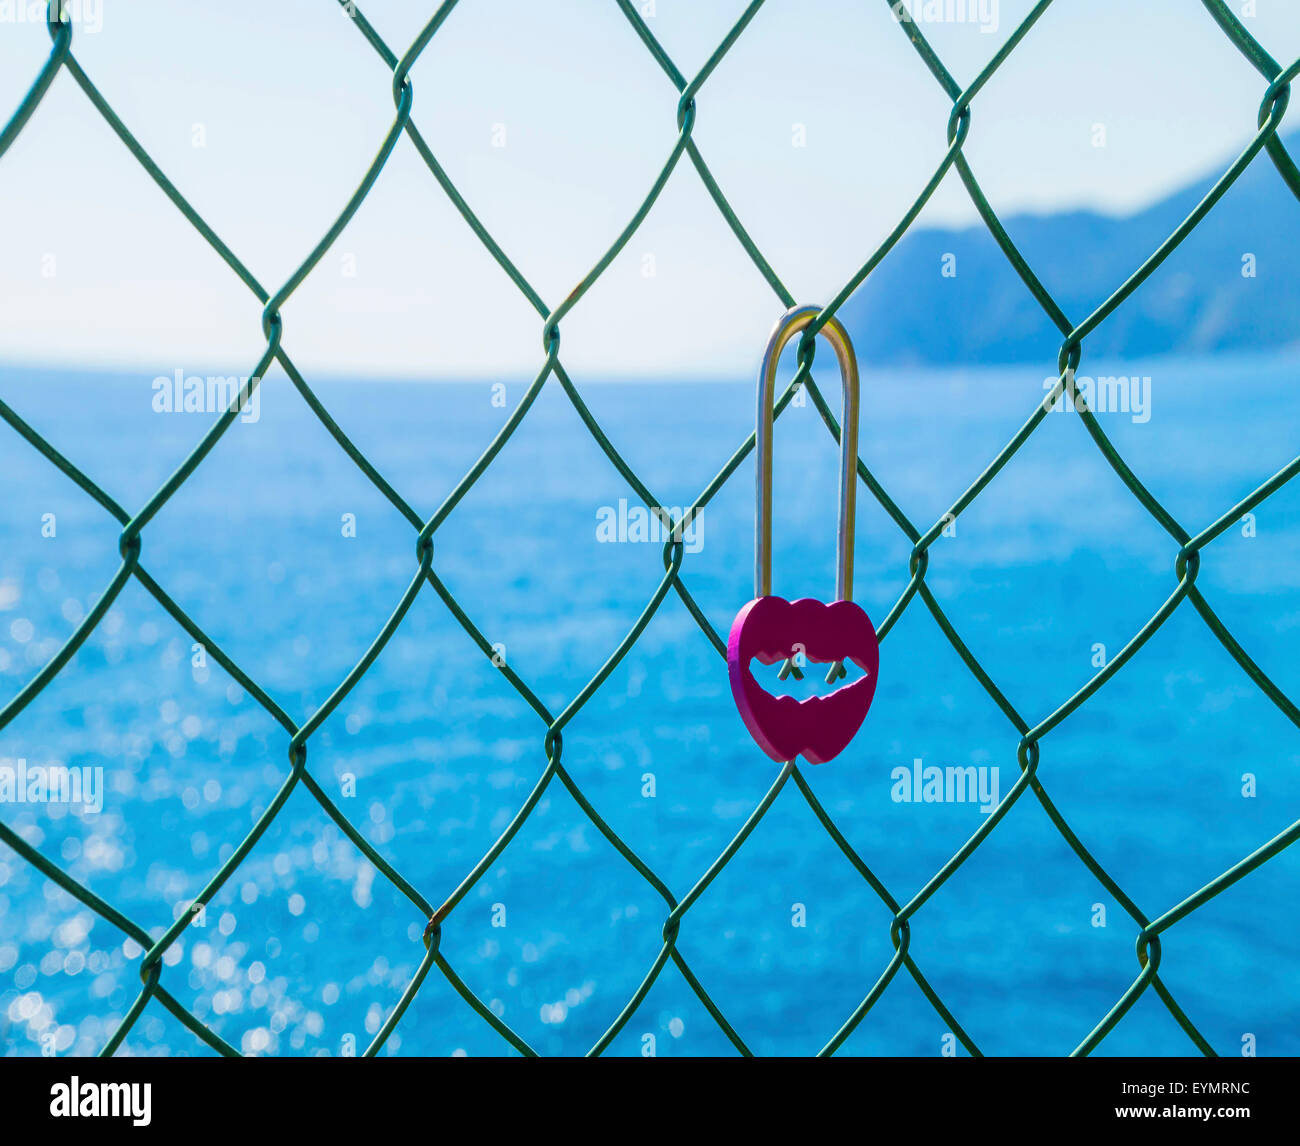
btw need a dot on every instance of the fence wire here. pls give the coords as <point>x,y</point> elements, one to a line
<point>1187,554</point>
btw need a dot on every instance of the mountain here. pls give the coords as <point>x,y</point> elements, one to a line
<point>1198,301</point>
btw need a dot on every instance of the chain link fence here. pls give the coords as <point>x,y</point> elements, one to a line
<point>1186,546</point>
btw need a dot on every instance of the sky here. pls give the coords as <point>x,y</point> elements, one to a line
<point>553,120</point>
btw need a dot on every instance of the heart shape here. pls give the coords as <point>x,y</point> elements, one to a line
<point>819,727</point>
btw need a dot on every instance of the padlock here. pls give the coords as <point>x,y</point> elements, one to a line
<point>772,629</point>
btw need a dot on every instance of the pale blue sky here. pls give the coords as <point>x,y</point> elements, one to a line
<point>294,103</point>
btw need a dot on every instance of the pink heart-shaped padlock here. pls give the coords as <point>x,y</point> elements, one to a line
<point>771,628</point>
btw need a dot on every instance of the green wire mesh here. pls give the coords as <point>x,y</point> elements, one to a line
<point>1186,562</point>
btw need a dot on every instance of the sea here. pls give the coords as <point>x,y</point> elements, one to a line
<point>291,562</point>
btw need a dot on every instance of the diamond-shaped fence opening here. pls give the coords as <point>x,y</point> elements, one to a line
<point>1031,733</point>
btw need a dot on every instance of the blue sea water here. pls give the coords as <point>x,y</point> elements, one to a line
<point>307,948</point>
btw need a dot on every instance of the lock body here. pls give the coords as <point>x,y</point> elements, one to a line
<point>772,629</point>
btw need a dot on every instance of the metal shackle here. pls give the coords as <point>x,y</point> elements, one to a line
<point>787,326</point>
